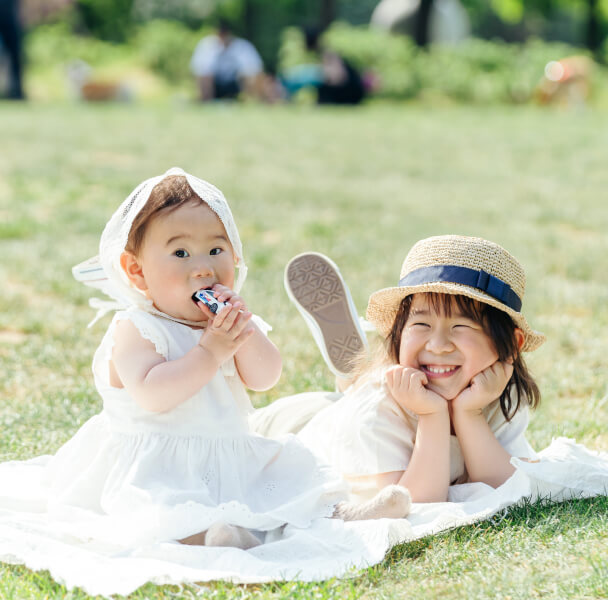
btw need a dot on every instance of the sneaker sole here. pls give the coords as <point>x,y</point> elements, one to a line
<point>315,286</point>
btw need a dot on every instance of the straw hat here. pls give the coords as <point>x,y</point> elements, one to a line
<point>454,264</point>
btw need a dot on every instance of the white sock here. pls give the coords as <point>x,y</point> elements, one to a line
<point>392,502</point>
<point>223,534</point>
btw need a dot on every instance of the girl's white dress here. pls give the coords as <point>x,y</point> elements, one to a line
<point>105,511</point>
<point>363,432</point>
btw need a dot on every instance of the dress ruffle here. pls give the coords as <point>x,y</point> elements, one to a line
<point>144,488</point>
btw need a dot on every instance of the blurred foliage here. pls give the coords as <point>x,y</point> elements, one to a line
<point>488,72</point>
<point>263,21</point>
<point>163,47</point>
<point>473,71</point>
<point>34,12</point>
<point>514,10</point>
<point>166,47</point>
<point>356,12</point>
<point>190,12</point>
<point>517,20</point>
<point>54,44</point>
<point>509,10</point>
<point>107,19</point>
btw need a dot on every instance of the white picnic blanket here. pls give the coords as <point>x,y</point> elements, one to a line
<point>564,470</point>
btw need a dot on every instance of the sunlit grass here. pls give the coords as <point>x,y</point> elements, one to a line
<point>361,186</point>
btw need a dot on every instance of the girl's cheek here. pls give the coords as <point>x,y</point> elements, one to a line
<point>407,350</point>
<point>406,359</point>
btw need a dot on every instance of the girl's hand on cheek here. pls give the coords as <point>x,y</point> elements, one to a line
<point>407,386</point>
<point>227,331</point>
<point>485,387</point>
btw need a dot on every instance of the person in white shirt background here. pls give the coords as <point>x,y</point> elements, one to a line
<point>225,65</point>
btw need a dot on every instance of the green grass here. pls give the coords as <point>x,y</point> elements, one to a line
<point>362,186</point>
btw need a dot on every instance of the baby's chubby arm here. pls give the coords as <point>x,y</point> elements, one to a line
<point>159,385</point>
<point>258,360</point>
<point>427,475</point>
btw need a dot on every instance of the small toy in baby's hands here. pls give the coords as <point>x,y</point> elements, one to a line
<point>209,300</point>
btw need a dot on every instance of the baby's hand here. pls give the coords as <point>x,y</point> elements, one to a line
<point>227,331</point>
<point>225,294</point>
<point>407,387</point>
<point>484,388</point>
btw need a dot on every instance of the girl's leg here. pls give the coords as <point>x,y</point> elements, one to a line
<point>314,284</point>
<point>290,414</point>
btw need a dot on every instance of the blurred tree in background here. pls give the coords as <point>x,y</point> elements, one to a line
<point>583,22</point>
<point>105,19</point>
<point>580,22</point>
<point>160,35</point>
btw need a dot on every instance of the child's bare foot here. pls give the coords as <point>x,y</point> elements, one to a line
<point>393,502</point>
<point>222,534</point>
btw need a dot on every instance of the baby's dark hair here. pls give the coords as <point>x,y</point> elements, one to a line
<point>166,196</point>
<point>497,324</point>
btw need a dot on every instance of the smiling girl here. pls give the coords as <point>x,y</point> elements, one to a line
<point>446,399</point>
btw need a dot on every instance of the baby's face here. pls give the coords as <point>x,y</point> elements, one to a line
<point>450,351</point>
<point>184,251</point>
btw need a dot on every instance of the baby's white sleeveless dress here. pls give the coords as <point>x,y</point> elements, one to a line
<point>105,512</point>
<point>180,471</point>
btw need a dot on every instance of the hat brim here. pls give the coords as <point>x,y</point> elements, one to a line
<point>383,305</point>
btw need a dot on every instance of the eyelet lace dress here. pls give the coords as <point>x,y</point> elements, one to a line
<point>105,512</point>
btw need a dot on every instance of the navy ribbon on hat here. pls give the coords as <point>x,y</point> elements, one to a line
<point>478,279</point>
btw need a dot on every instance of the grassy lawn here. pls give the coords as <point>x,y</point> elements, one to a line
<point>362,186</point>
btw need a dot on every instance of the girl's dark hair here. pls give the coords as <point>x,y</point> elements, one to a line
<point>166,196</point>
<point>497,324</point>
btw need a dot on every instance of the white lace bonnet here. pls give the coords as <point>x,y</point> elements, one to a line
<point>104,271</point>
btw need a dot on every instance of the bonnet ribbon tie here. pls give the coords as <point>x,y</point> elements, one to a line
<point>478,279</point>
<point>103,307</point>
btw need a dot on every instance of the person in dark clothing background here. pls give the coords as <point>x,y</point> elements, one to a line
<point>335,80</point>
<point>341,83</point>
<point>10,40</point>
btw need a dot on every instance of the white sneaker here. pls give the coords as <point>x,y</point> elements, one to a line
<point>314,284</point>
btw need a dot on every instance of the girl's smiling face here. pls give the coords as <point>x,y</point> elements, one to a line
<point>183,250</point>
<point>449,349</point>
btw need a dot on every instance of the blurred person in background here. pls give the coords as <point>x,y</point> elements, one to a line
<point>336,80</point>
<point>10,41</point>
<point>225,65</point>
